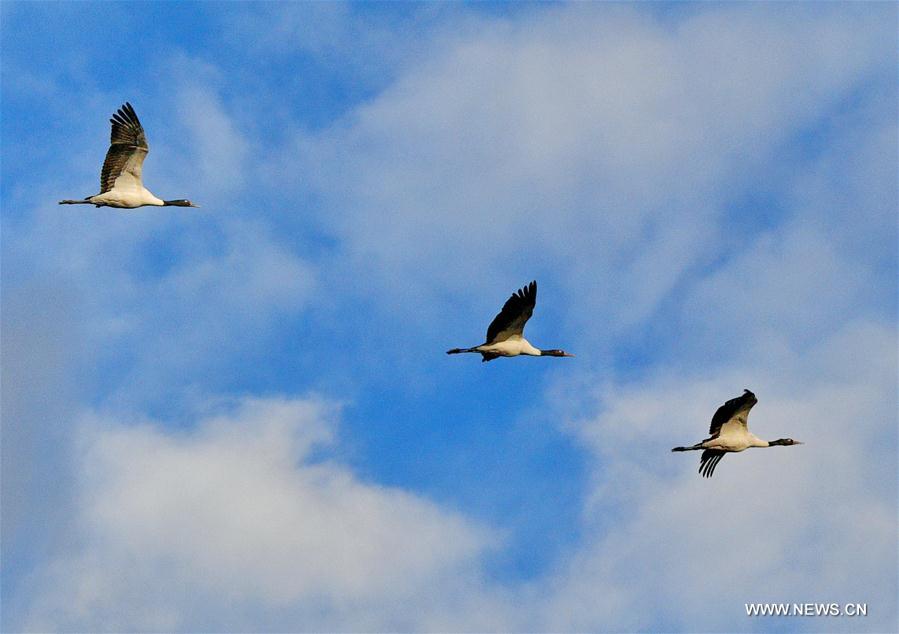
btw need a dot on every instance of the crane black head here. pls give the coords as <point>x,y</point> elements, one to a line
<point>784,441</point>
<point>555,353</point>
<point>179,202</point>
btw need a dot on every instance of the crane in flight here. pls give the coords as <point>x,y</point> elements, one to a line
<point>730,434</point>
<point>504,335</point>
<point>120,178</point>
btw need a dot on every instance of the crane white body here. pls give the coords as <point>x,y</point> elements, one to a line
<point>734,436</point>
<point>127,195</point>
<point>511,347</point>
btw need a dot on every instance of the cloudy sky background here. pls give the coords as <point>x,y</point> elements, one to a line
<point>241,417</point>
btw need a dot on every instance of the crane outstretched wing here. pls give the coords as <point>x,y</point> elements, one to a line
<point>515,313</point>
<point>127,150</point>
<point>725,413</point>
<point>709,460</point>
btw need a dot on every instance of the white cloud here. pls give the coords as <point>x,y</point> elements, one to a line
<point>602,142</point>
<point>246,516</point>
<point>219,151</point>
<point>243,520</point>
<point>789,286</point>
<point>814,522</point>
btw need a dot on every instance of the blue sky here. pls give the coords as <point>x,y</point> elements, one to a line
<point>241,417</point>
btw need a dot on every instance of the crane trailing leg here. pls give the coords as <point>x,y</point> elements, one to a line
<point>694,447</point>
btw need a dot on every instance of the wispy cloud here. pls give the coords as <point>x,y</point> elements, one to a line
<point>603,142</point>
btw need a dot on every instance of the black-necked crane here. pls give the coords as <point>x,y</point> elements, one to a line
<point>504,335</point>
<point>730,434</point>
<point>120,178</point>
